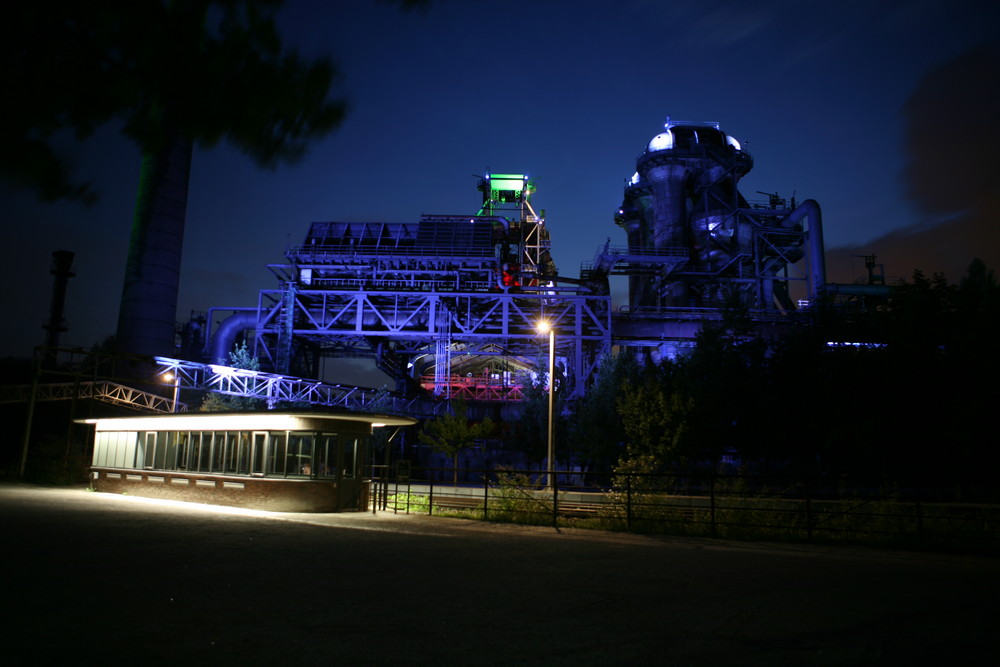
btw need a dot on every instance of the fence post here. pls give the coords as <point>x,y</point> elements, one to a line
<point>628,501</point>
<point>920,515</point>
<point>711,491</point>
<point>430,497</point>
<point>809,519</point>
<point>555,500</point>
<point>486,493</point>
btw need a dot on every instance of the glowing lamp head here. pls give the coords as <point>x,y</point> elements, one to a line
<point>543,327</point>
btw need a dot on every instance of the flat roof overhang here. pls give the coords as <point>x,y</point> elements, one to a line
<point>229,421</point>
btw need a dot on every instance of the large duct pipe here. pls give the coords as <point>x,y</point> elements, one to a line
<point>809,209</point>
<point>225,336</point>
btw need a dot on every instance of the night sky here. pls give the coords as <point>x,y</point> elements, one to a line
<point>883,112</point>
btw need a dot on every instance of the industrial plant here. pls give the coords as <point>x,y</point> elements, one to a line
<point>450,305</point>
<point>472,306</point>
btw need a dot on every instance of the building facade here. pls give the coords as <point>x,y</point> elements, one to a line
<point>278,461</point>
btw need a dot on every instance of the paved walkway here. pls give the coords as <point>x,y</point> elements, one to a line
<point>98,578</point>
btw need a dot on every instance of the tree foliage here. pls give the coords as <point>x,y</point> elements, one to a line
<point>206,70</point>
<point>449,434</point>
<point>596,429</point>
<point>530,433</point>
<point>240,357</point>
<point>907,391</point>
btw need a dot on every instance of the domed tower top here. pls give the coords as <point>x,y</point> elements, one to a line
<point>686,135</point>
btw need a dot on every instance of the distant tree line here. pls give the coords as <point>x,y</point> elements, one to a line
<point>904,386</point>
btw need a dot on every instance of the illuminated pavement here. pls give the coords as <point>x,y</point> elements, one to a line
<point>96,578</point>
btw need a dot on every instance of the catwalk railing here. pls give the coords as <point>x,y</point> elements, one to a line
<point>278,389</point>
<point>101,390</point>
<point>154,384</point>
<point>820,510</point>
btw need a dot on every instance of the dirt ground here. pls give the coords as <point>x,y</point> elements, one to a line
<point>98,578</point>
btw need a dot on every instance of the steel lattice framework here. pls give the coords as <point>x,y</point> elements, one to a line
<point>101,390</point>
<point>276,389</point>
<point>404,324</point>
<point>424,298</point>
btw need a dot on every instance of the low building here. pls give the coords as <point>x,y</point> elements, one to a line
<point>278,461</point>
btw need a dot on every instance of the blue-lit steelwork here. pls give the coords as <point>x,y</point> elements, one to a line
<point>694,241</point>
<point>432,302</point>
<point>449,305</point>
<point>697,246</point>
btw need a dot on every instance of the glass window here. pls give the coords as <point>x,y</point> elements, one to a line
<point>194,450</point>
<point>242,447</point>
<point>257,453</point>
<point>326,455</point>
<point>149,449</point>
<point>205,451</point>
<point>182,450</point>
<point>299,459</point>
<point>350,463</point>
<point>219,452</point>
<point>161,440</point>
<point>276,453</point>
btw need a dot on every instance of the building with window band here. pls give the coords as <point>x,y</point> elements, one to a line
<point>278,461</point>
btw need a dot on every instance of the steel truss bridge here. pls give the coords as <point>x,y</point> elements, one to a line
<point>279,390</point>
<point>101,390</point>
<point>162,379</point>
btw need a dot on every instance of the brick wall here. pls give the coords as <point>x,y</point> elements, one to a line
<point>261,493</point>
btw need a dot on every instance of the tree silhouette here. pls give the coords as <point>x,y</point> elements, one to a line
<point>596,426</point>
<point>239,357</point>
<point>451,433</point>
<point>175,73</point>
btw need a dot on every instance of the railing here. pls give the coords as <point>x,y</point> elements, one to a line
<point>658,312</point>
<point>475,388</point>
<point>328,251</point>
<point>101,390</point>
<point>817,510</point>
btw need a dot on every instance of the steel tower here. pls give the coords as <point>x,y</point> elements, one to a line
<point>697,246</point>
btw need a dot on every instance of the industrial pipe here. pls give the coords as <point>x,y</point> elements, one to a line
<point>817,259</point>
<point>225,336</point>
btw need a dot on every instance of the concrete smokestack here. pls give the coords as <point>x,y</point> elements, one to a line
<point>62,269</point>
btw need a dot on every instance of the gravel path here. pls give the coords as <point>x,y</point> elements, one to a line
<point>109,579</point>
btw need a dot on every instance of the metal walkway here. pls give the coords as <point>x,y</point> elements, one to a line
<point>278,389</point>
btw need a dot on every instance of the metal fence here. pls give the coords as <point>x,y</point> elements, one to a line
<point>883,512</point>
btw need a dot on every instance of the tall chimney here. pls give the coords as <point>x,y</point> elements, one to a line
<point>62,269</point>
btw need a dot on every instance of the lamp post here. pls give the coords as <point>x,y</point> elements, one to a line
<point>176,377</point>
<point>545,327</point>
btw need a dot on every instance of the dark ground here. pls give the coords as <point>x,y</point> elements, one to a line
<point>95,578</point>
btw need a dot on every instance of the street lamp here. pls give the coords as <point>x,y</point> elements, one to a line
<point>545,327</point>
<point>176,379</point>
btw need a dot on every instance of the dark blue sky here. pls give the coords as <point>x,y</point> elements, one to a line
<point>824,95</point>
